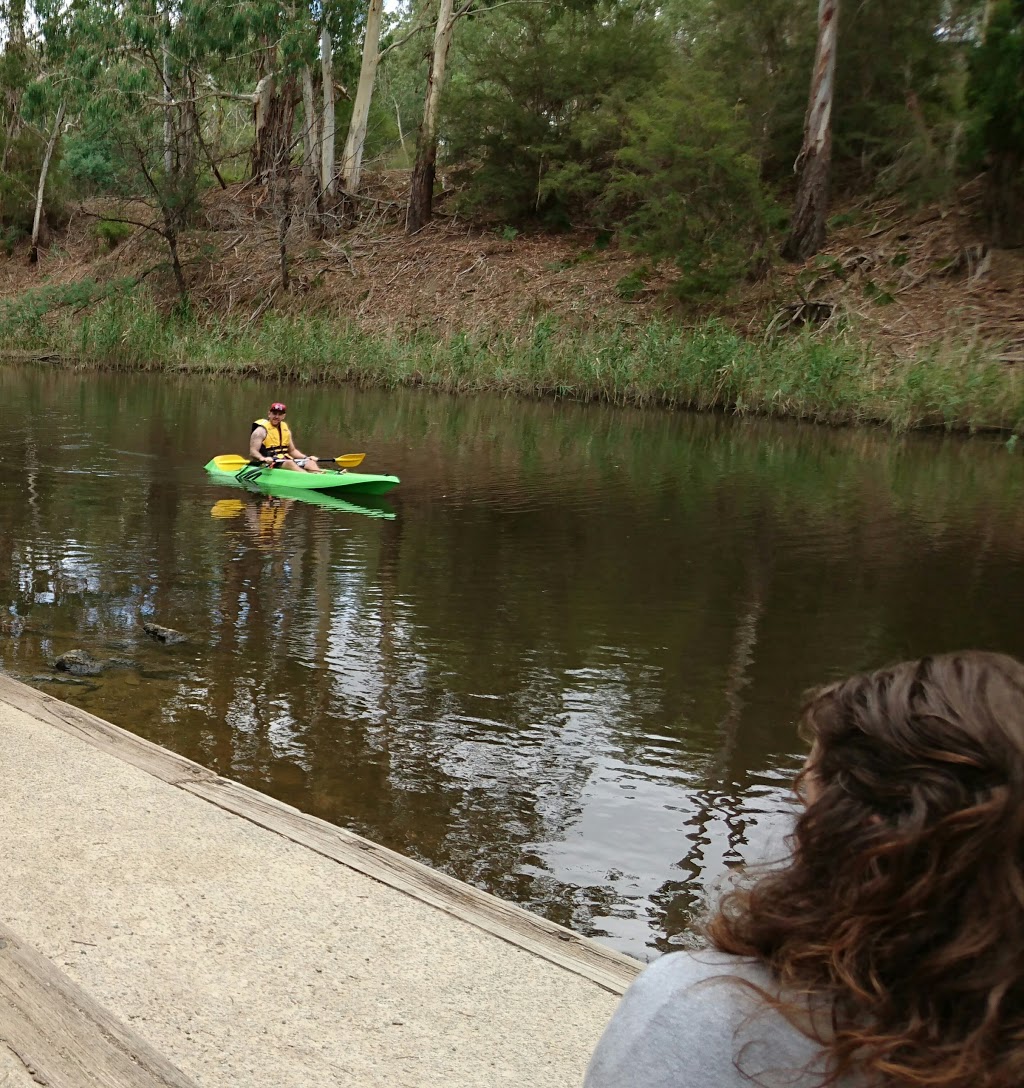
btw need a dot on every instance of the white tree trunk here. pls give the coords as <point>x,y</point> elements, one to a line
<point>814,164</point>
<point>37,218</point>
<point>310,136</point>
<point>352,159</point>
<point>421,189</point>
<point>327,146</point>
<point>262,99</point>
<point>168,115</point>
<point>398,121</point>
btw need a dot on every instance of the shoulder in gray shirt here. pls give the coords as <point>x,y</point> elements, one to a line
<point>690,1022</point>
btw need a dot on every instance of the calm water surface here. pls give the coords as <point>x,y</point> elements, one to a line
<point>562,663</point>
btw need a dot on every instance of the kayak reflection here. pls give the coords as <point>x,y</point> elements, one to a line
<point>371,506</point>
<point>266,519</point>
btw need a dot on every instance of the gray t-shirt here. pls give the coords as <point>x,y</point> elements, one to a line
<point>688,1021</point>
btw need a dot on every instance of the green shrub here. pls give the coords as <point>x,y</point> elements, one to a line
<point>112,231</point>
<point>10,237</point>
<point>688,187</point>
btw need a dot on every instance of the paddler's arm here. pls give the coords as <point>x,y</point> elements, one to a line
<point>294,452</point>
<point>255,441</point>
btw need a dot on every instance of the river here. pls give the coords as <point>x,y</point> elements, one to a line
<point>562,661</point>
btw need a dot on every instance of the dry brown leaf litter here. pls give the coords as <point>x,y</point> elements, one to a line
<point>902,280</point>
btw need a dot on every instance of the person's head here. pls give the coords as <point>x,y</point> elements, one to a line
<point>903,900</point>
<point>277,412</point>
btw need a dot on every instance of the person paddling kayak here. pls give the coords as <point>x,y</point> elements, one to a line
<point>271,443</point>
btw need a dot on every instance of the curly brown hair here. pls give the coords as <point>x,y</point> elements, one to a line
<point>901,907</point>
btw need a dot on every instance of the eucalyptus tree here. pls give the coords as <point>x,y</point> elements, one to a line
<point>814,164</point>
<point>421,186</point>
<point>352,159</point>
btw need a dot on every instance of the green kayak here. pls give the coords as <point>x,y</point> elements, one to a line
<point>286,482</point>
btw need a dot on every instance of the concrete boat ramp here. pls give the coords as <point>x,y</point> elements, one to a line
<point>161,925</point>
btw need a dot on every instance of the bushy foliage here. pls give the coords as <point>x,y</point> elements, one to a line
<point>89,163</point>
<point>24,317</point>
<point>898,97</point>
<point>996,97</point>
<point>686,183</point>
<point>112,232</point>
<point>536,109</point>
<point>761,55</point>
<point>996,84</point>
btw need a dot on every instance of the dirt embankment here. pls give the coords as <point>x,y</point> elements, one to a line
<point>896,278</point>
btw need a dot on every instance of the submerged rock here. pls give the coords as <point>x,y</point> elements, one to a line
<point>164,634</point>
<point>63,678</point>
<point>79,663</point>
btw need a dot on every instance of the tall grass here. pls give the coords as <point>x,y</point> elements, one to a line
<point>706,368</point>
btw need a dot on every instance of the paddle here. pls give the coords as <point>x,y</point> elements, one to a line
<point>232,462</point>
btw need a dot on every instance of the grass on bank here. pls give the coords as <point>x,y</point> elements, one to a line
<point>705,368</point>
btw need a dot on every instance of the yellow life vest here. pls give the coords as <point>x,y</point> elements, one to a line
<point>283,436</point>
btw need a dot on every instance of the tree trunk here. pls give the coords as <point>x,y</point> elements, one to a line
<point>168,102</point>
<point>421,189</point>
<point>170,233</point>
<point>814,164</point>
<point>37,218</point>
<point>398,121</point>
<point>1004,199</point>
<point>275,114</point>
<point>310,137</point>
<point>327,146</point>
<point>284,221</point>
<point>188,124</point>
<point>352,159</point>
<point>261,111</point>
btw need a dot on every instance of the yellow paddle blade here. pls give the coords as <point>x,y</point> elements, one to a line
<point>227,508</point>
<point>230,462</point>
<point>349,460</point>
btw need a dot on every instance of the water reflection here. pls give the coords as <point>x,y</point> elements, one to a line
<point>562,664</point>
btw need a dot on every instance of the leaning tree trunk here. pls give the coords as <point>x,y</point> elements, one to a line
<point>327,138</point>
<point>421,189</point>
<point>37,218</point>
<point>352,158</point>
<point>814,164</point>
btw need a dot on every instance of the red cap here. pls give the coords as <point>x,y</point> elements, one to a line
<point>277,406</point>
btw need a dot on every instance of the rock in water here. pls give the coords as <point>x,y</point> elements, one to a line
<point>79,663</point>
<point>163,634</point>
